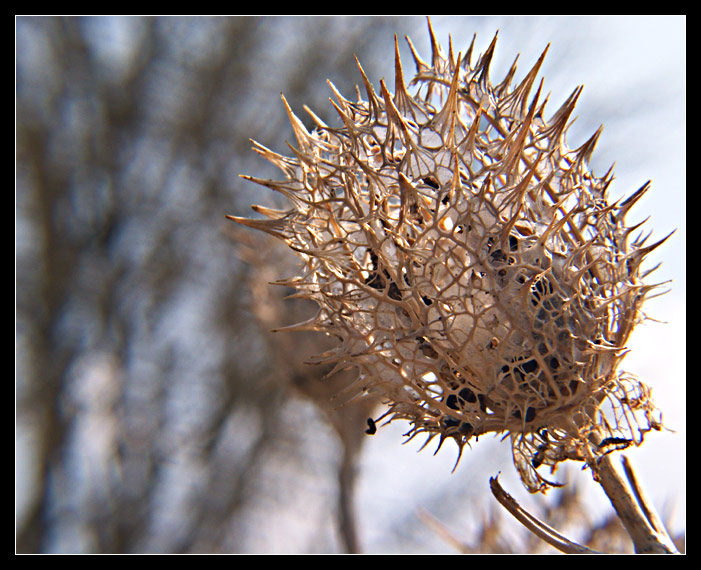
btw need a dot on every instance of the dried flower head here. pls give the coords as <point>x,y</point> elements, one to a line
<point>468,262</point>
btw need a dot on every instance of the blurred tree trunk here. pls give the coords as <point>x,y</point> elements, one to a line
<point>130,133</point>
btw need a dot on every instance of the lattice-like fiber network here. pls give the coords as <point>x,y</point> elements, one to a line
<point>468,262</point>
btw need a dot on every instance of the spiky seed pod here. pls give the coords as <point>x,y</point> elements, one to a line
<point>468,261</point>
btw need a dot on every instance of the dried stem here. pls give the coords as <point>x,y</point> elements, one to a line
<point>636,513</point>
<point>533,524</point>
<point>346,514</point>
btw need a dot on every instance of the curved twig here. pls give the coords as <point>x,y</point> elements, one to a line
<point>536,526</point>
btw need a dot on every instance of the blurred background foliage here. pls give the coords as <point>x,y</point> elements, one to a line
<point>154,412</point>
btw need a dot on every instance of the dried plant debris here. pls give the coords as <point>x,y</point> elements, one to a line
<point>468,262</point>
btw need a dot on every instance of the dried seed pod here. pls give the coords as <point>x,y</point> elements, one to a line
<point>468,261</point>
